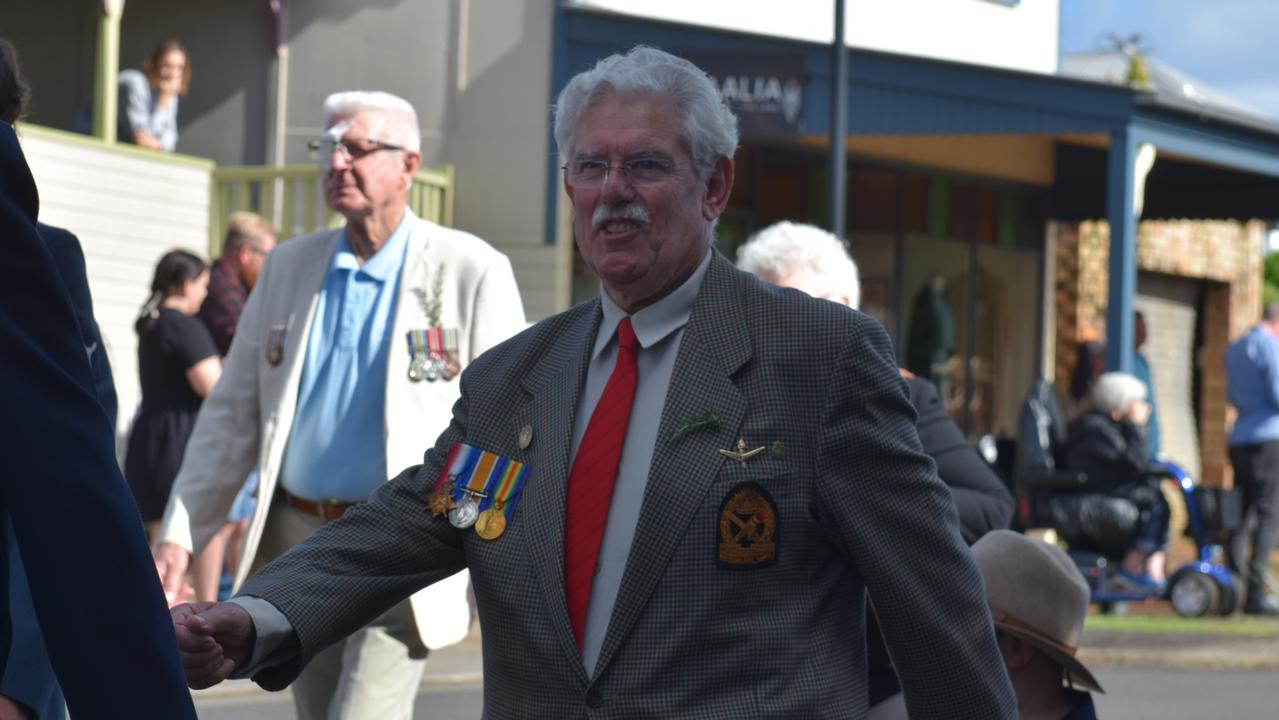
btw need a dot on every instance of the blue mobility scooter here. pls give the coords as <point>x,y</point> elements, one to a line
<point>1098,528</point>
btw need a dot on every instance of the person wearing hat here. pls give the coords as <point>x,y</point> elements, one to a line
<point>1038,601</point>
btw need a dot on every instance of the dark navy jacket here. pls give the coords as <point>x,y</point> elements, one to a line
<point>92,580</point>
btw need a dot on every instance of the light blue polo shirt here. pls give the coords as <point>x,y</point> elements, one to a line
<point>337,447</point>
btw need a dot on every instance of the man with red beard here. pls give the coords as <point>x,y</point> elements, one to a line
<point>346,357</point>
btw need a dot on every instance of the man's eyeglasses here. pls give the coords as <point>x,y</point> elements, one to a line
<point>351,150</point>
<point>639,172</point>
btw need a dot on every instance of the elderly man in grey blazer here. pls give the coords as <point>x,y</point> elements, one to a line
<point>672,498</point>
<point>347,355</point>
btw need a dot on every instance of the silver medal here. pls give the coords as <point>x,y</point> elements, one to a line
<point>419,368</point>
<point>466,512</point>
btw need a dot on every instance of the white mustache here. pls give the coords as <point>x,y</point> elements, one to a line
<point>630,211</point>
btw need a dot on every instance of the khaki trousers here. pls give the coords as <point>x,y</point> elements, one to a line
<point>375,672</point>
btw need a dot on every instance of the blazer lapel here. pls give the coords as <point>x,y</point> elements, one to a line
<point>554,386</point>
<point>715,344</point>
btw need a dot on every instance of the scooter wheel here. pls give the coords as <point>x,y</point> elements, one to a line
<point>1194,594</point>
<point>1232,595</point>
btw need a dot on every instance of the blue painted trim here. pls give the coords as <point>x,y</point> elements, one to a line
<point>559,78</point>
<point>1213,143</point>
<point>1121,215</point>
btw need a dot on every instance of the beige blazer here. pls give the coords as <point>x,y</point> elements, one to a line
<point>246,420</point>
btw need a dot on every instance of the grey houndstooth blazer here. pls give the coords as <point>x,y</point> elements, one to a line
<point>857,506</point>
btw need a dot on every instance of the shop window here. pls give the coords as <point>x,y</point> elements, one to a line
<point>872,200</point>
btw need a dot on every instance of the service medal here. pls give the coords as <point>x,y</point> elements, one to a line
<point>419,362</point>
<point>441,502</point>
<point>465,513</point>
<point>491,523</point>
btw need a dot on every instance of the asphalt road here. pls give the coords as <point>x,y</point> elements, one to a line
<point>1134,693</point>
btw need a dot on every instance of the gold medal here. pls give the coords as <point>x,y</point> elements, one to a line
<point>491,523</point>
<point>441,502</point>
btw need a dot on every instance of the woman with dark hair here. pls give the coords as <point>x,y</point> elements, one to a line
<point>178,365</point>
<point>148,105</point>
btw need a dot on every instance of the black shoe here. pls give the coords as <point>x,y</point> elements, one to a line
<point>1259,604</point>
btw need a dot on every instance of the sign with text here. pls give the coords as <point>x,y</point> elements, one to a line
<point>765,91</point>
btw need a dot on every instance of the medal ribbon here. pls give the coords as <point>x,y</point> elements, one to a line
<point>435,343</point>
<point>443,480</point>
<point>507,486</point>
<point>417,343</point>
<point>480,471</point>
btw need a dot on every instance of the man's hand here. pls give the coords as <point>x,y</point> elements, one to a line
<point>13,710</point>
<point>171,563</point>
<point>213,639</point>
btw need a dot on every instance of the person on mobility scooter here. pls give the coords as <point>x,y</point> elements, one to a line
<point>1107,445</point>
<point>1110,520</point>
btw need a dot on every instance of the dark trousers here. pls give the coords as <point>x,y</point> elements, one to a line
<point>1257,474</point>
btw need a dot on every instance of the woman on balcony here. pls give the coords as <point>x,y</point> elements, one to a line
<point>178,365</point>
<point>148,110</point>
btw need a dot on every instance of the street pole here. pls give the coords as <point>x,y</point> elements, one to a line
<point>838,124</point>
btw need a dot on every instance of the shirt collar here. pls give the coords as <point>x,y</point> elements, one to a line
<point>386,262</point>
<point>657,321</point>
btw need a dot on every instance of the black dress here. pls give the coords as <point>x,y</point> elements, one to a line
<point>174,344</point>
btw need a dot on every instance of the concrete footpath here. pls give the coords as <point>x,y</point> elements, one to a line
<point>1189,651</point>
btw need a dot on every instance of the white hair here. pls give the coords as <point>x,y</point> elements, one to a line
<point>1115,390</point>
<point>710,128</point>
<point>400,115</point>
<point>783,248</point>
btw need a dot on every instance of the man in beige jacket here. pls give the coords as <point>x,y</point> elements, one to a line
<point>345,367</point>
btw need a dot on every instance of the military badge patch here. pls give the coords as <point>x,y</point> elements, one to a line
<point>747,532</point>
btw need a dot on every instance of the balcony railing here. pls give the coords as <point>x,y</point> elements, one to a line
<point>292,199</point>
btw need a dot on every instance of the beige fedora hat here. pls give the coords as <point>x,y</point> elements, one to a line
<point>1036,593</point>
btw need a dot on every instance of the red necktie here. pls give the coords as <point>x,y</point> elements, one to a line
<point>590,483</point>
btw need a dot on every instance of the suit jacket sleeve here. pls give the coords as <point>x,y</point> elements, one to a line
<point>357,567</point>
<point>891,516</point>
<point>61,486</point>
<point>983,501</point>
<point>225,442</point>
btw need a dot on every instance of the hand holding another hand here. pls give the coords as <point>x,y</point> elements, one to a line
<point>213,640</point>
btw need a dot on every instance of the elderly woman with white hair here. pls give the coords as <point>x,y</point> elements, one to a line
<point>1108,444</point>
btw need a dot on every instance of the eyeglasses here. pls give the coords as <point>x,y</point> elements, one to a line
<point>639,171</point>
<point>351,150</point>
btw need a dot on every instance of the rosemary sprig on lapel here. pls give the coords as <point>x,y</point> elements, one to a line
<point>708,419</point>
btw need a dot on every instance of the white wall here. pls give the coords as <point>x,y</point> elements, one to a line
<point>128,207</point>
<point>1021,35</point>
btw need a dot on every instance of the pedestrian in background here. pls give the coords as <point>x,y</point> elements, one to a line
<point>178,365</point>
<point>249,238</point>
<point>1141,370</point>
<point>347,358</point>
<point>1252,383</point>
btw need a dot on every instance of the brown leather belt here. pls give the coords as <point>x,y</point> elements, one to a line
<point>324,509</point>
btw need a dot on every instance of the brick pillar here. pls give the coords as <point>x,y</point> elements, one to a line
<point>1213,408</point>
